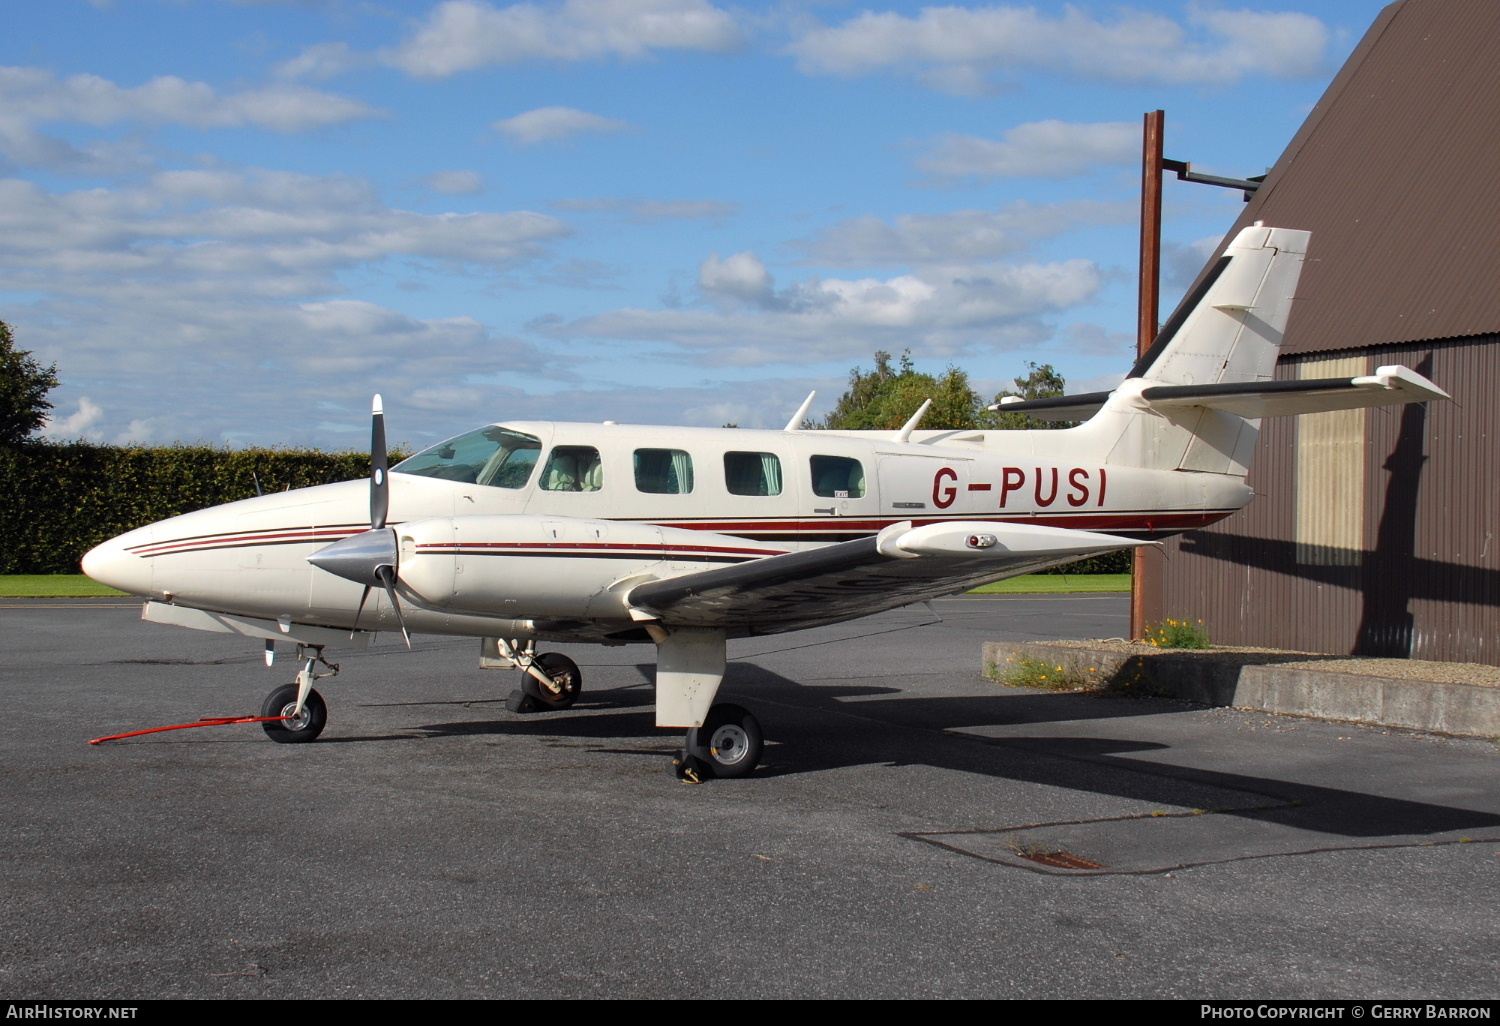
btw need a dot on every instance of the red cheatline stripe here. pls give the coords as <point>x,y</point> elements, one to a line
<point>221,535</point>
<point>1135,520</point>
<point>1122,520</point>
<point>287,536</point>
<point>207,721</point>
<point>603,546</point>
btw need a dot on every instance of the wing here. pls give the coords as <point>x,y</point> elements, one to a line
<point>899,566</point>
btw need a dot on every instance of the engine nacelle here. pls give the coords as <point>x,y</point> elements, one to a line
<point>527,566</point>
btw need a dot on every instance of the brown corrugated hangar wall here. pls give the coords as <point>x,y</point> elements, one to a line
<point>1374,532</point>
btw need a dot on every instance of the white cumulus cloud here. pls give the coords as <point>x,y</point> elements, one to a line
<point>232,281</point>
<point>961,236</point>
<point>960,48</point>
<point>742,277</point>
<point>456,183</point>
<point>33,96</point>
<point>462,35</point>
<point>554,124</point>
<point>940,310</point>
<point>645,211</point>
<point>1050,149</point>
<point>77,423</point>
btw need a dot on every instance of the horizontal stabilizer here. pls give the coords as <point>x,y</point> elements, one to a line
<point>1388,386</point>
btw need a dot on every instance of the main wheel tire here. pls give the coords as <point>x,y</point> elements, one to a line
<point>564,672</point>
<point>729,743</point>
<point>306,727</point>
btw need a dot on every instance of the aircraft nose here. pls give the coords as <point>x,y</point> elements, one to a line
<point>111,563</point>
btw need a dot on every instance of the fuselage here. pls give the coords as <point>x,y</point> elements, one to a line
<point>521,523</point>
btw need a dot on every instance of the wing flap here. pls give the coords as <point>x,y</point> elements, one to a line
<point>839,582</point>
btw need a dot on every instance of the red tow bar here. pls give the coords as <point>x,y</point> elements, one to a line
<point>207,721</point>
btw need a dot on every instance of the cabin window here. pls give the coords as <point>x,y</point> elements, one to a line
<point>494,456</point>
<point>663,471</point>
<point>752,473</point>
<point>573,468</point>
<point>838,477</point>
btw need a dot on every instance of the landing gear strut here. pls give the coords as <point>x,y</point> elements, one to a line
<point>728,745</point>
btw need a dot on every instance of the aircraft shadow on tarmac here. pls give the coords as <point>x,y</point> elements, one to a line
<point>818,729</point>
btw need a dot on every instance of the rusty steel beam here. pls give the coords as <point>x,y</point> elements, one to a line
<point>1146,569</point>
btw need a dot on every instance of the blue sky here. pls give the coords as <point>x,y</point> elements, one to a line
<point>234,221</point>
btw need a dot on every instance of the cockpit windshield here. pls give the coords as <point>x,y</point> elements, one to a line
<point>493,455</point>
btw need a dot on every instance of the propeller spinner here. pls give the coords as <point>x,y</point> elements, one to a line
<point>371,557</point>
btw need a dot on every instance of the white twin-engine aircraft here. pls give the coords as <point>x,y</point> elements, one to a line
<point>524,532</point>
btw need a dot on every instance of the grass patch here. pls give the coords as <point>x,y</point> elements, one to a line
<point>1055,584</point>
<point>53,586</point>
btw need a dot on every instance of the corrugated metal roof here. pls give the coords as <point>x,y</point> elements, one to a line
<point>1396,172</point>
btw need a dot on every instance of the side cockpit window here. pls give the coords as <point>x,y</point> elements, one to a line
<point>493,456</point>
<point>663,471</point>
<point>573,468</point>
<point>838,477</point>
<point>752,473</point>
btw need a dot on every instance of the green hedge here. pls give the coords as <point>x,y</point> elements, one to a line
<point>1109,563</point>
<point>57,501</point>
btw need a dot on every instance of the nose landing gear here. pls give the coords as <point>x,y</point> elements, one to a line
<point>295,713</point>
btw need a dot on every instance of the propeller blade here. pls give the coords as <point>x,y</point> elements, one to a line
<point>380,492</point>
<point>363,597</point>
<point>387,575</point>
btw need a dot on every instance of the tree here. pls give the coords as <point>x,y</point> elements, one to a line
<point>885,398</point>
<point>24,385</point>
<point>1040,383</point>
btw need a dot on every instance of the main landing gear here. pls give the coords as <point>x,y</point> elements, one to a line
<point>728,745</point>
<point>549,681</point>
<point>301,714</point>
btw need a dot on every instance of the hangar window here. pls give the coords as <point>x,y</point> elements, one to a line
<point>752,473</point>
<point>573,468</point>
<point>663,471</point>
<point>494,456</point>
<point>838,477</point>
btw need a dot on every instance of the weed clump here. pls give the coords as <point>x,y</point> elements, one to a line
<point>1177,634</point>
<point>1045,676</point>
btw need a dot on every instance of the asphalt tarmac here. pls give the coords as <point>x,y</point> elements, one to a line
<point>915,830</point>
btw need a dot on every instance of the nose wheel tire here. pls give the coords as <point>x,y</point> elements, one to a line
<point>305,727</point>
<point>728,744</point>
<point>565,675</point>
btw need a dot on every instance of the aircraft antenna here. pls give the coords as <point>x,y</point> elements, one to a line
<point>904,435</point>
<point>795,424</point>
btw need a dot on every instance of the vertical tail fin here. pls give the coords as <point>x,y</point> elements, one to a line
<point>1228,330</point>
